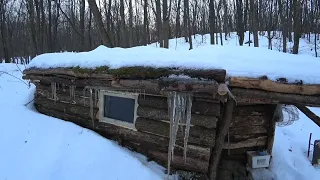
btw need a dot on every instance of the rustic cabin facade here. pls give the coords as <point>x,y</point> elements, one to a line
<point>192,120</point>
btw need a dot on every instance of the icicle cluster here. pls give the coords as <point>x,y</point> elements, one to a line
<point>179,107</point>
<point>93,101</point>
<point>91,109</point>
<point>72,92</point>
<point>54,90</point>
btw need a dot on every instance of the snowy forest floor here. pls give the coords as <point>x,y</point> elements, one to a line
<point>34,146</point>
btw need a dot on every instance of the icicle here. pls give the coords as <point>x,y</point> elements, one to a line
<point>91,108</point>
<point>171,104</point>
<point>54,91</point>
<point>188,120</point>
<point>179,109</point>
<point>84,96</point>
<point>96,97</point>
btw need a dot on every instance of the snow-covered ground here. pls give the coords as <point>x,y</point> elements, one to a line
<point>38,147</point>
<point>34,146</point>
<point>290,159</point>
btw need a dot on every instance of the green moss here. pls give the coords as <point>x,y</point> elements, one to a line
<point>133,72</point>
<point>98,70</point>
<point>140,72</point>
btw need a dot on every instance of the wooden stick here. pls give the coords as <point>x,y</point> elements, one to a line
<point>221,134</point>
<point>309,145</point>
<point>309,114</point>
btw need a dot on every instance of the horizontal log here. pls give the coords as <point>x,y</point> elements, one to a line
<point>66,72</point>
<point>162,114</point>
<point>71,81</point>
<point>65,107</point>
<point>199,136</point>
<point>84,122</point>
<point>259,141</point>
<point>247,121</point>
<point>192,150</point>
<point>178,163</point>
<point>268,85</point>
<point>277,98</point>
<point>135,72</point>
<point>161,86</point>
<point>198,106</point>
<point>247,130</point>
<point>253,110</point>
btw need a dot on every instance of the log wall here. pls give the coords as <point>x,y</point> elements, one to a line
<point>152,124</point>
<point>250,126</point>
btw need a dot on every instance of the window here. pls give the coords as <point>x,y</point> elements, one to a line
<point>118,108</point>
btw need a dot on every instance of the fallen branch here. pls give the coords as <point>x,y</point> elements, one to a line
<point>3,72</point>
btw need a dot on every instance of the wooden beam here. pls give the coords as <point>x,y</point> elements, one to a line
<point>315,118</point>
<point>221,134</point>
<point>276,98</point>
<point>268,85</point>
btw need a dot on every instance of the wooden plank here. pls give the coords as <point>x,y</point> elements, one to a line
<point>277,98</point>
<point>268,85</point>
<point>162,114</point>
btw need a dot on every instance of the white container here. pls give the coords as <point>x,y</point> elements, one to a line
<point>256,160</point>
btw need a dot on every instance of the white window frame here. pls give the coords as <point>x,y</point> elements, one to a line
<point>116,122</point>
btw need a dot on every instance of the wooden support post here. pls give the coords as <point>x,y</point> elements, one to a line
<point>309,114</point>
<point>221,134</point>
<point>272,128</point>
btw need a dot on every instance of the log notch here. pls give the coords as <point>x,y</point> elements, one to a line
<point>309,114</point>
<point>221,134</point>
<point>268,85</point>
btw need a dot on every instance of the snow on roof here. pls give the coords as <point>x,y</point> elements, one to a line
<point>236,60</point>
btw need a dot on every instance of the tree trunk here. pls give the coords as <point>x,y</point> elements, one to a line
<point>97,16</point>
<point>212,21</point>
<point>82,11</point>
<point>130,31</point>
<point>178,26</point>
<point>254,23</point>
<point>189,28</point>
<point>145,23</point>
<point>50,45</point>
<point>297,24</point>
<point>165,24</point>
<point>30,7</point>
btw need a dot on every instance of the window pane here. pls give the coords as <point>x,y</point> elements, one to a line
<point>119,108</point>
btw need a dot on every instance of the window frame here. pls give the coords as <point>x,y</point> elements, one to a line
<point>120,94</point>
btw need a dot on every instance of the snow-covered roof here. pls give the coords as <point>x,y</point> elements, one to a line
<point>237,61</point>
